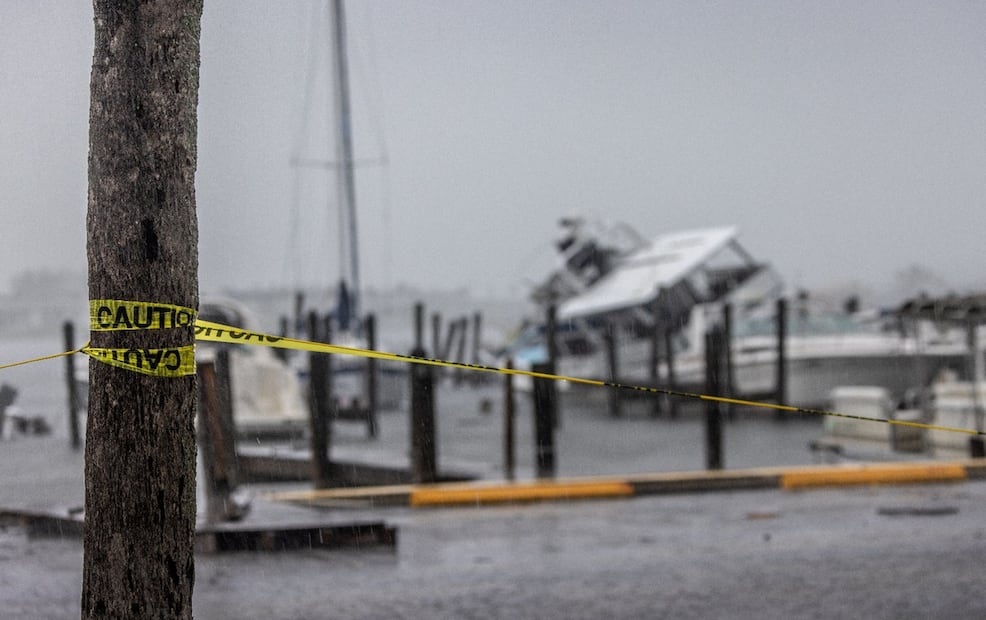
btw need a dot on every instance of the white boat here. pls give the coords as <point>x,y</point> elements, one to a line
<point>268,398</point>
<point>824,349</point>
<point>949,408</point>
<point>629,290</point>
<point>684,280</point>
<point>954,399</point>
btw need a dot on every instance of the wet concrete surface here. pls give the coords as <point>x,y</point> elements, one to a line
<point>755,554</point>
<point>888,552</point>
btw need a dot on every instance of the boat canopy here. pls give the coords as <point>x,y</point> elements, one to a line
<point>706,264</point>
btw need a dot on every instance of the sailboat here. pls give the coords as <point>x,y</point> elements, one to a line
<point>350,384</point>
<point>344,166</point>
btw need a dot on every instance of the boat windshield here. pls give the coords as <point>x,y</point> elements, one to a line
<point>799,324</point>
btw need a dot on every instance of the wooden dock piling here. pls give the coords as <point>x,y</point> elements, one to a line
<point>509,414</point>
<point>436,334</point>
<point>477,329</point>
<point>654,361</point>
<point>424,462</point>
<point>726,381</point>
<point>613,370</point>
<point>370,325</point>
<point>461,354</point>
<point>217,442</point>
<point>320,399</point>
<point>545,405</point>
<point>75,437</point>
<point>714,375</point>
<point>781,385</point>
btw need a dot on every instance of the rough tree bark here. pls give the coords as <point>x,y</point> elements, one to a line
<point>142,246</point>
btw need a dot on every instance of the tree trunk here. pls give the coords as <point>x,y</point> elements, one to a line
<point>142,246</point>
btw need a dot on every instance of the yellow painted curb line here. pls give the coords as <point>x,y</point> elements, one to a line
<point>873,474</point>
<point>790,478</point>
<point>520,492</point>
<point>339,493</point>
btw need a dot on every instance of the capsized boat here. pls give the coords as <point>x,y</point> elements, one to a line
<point>682,281</point>
<point>630,290</point>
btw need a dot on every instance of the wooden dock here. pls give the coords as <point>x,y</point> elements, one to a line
<point>248,535</point>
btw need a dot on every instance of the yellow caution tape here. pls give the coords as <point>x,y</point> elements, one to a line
<point>106,315</point>
<point>120,315</point>
<point>215,332</point>
<point>173,362</point>
<point>40,359</point>
<point>115,314</point>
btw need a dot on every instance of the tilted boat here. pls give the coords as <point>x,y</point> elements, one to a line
<point>682,282</point>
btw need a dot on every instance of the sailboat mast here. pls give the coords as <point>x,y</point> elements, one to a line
<point>344,149</point>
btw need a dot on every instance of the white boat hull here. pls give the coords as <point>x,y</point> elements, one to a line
<point>812,372</point>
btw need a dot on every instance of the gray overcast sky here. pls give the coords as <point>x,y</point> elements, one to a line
<point>847,140</point>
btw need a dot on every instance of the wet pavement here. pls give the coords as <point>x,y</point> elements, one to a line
<point>874,552</point>
<point>880,552</point>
